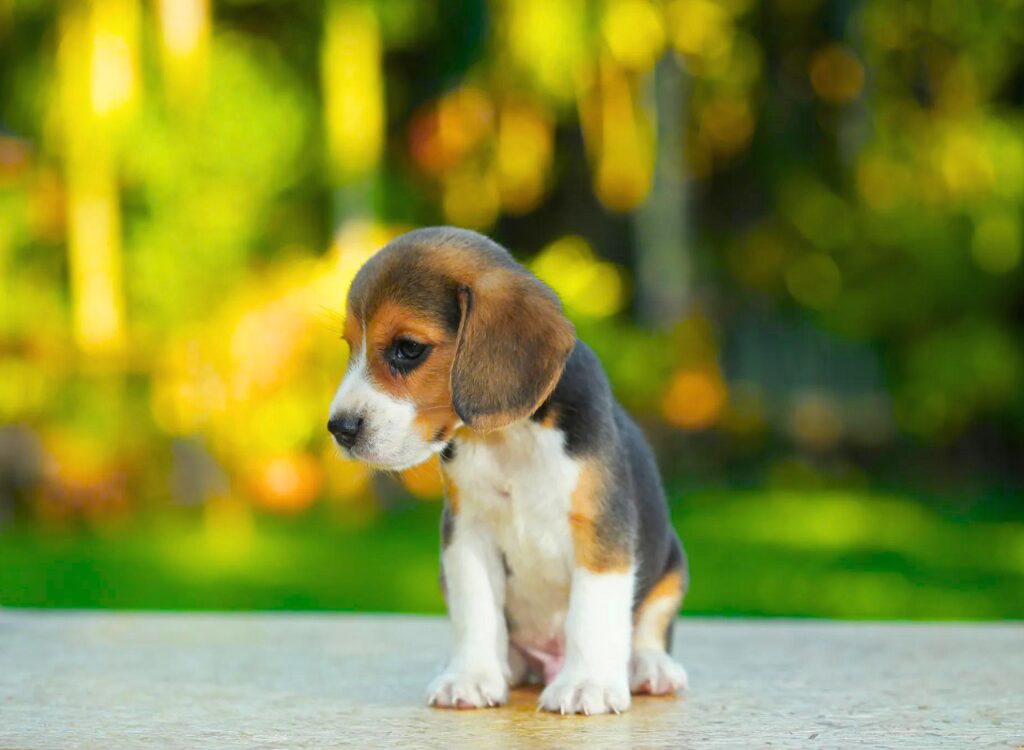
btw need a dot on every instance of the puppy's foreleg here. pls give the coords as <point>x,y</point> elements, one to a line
<point>598,631</point>
<point>477,674</point>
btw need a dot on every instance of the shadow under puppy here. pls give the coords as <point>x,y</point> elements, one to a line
<point>558,558</point>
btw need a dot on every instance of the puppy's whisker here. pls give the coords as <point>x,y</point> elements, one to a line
<point>431,409</point>
<point>331,319</point>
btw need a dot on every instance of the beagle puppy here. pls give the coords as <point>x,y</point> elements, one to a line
<point>558,560</point>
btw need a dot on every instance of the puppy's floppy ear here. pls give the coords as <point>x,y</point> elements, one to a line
<point>512,345</point>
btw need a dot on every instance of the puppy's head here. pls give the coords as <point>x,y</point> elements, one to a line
<point>445,329</point>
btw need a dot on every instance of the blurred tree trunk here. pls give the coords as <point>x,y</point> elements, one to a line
<point>663,262</point>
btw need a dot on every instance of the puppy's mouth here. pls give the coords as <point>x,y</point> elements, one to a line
<point>366,455</point>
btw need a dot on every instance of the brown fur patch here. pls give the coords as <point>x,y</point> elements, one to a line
<point>513,344</point>
<point>668,589</point>
<point>594,550</point>
<point>550,419</point>
<point>468,435</point>
<point>352,333</point>
<point>508,337</point>
<point>427,386</point>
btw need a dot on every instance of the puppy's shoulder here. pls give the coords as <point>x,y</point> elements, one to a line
<point>581,405</point>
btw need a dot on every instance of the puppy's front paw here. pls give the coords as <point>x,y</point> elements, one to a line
<point>468,689</point>
<point>571,693</point>
<point>655,672</point>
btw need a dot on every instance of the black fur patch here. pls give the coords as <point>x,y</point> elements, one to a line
<point>596,426</point>
<point>582,402</point>
<point>448,454</point>
<point>447,525</point>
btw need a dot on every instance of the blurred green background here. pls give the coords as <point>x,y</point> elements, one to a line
<point>792,230</point>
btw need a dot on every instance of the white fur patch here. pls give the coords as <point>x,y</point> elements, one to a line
<point>477,674</point>
<point>653,671</point>
<point>519,488</point>
<point>598,630</point>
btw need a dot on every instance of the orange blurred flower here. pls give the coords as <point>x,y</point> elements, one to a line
<point>694,399</point>
<point>285,484</point>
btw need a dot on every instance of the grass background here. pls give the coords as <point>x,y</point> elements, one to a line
<point>827,553</point>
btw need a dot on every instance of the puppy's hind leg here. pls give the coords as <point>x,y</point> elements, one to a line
<point>651,668</point>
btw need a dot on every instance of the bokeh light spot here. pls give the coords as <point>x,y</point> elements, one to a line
<point>587,286</point>
<point>837,75</point>
<point>814,280</point>
<point>285,484</point>
<point>634,32</point>
<point>694,399</point>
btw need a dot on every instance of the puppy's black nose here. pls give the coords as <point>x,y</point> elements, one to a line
<point>345,429</point>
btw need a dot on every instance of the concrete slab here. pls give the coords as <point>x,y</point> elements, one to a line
<point>164,680</point>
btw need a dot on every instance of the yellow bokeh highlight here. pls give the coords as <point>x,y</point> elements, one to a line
<point>634,32</point>
<point>701,30</point>
<point>695,398</point>
<point>243,375</point>
<point>471,198</point>
<point>353,245</point>
<point>964,160</point>
<point>545,38</point>
<point>587,286</point>
<point>185,39</point>
<point>525,146</point>
<point>95,264</point>
<point>837,75</point>
<point>186,389</point>
<point>113,57</point>
<point>90,89</point>
<point>620,137</point>
<point>353,90</point>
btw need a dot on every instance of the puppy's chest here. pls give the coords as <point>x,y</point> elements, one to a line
<point>519,486</point>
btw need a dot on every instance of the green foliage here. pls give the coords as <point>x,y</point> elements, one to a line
<point>207,181</point>
<point>183,203</point>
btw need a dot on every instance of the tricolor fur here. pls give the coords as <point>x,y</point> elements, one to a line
<point>558,558</point>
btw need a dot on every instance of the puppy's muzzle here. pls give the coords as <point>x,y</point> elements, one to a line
<point>345,428</point>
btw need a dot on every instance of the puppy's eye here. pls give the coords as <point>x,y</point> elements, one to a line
<point>406,354</point>
<point>409,349</point>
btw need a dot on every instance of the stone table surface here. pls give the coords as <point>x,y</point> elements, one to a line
<point>164,680</point>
